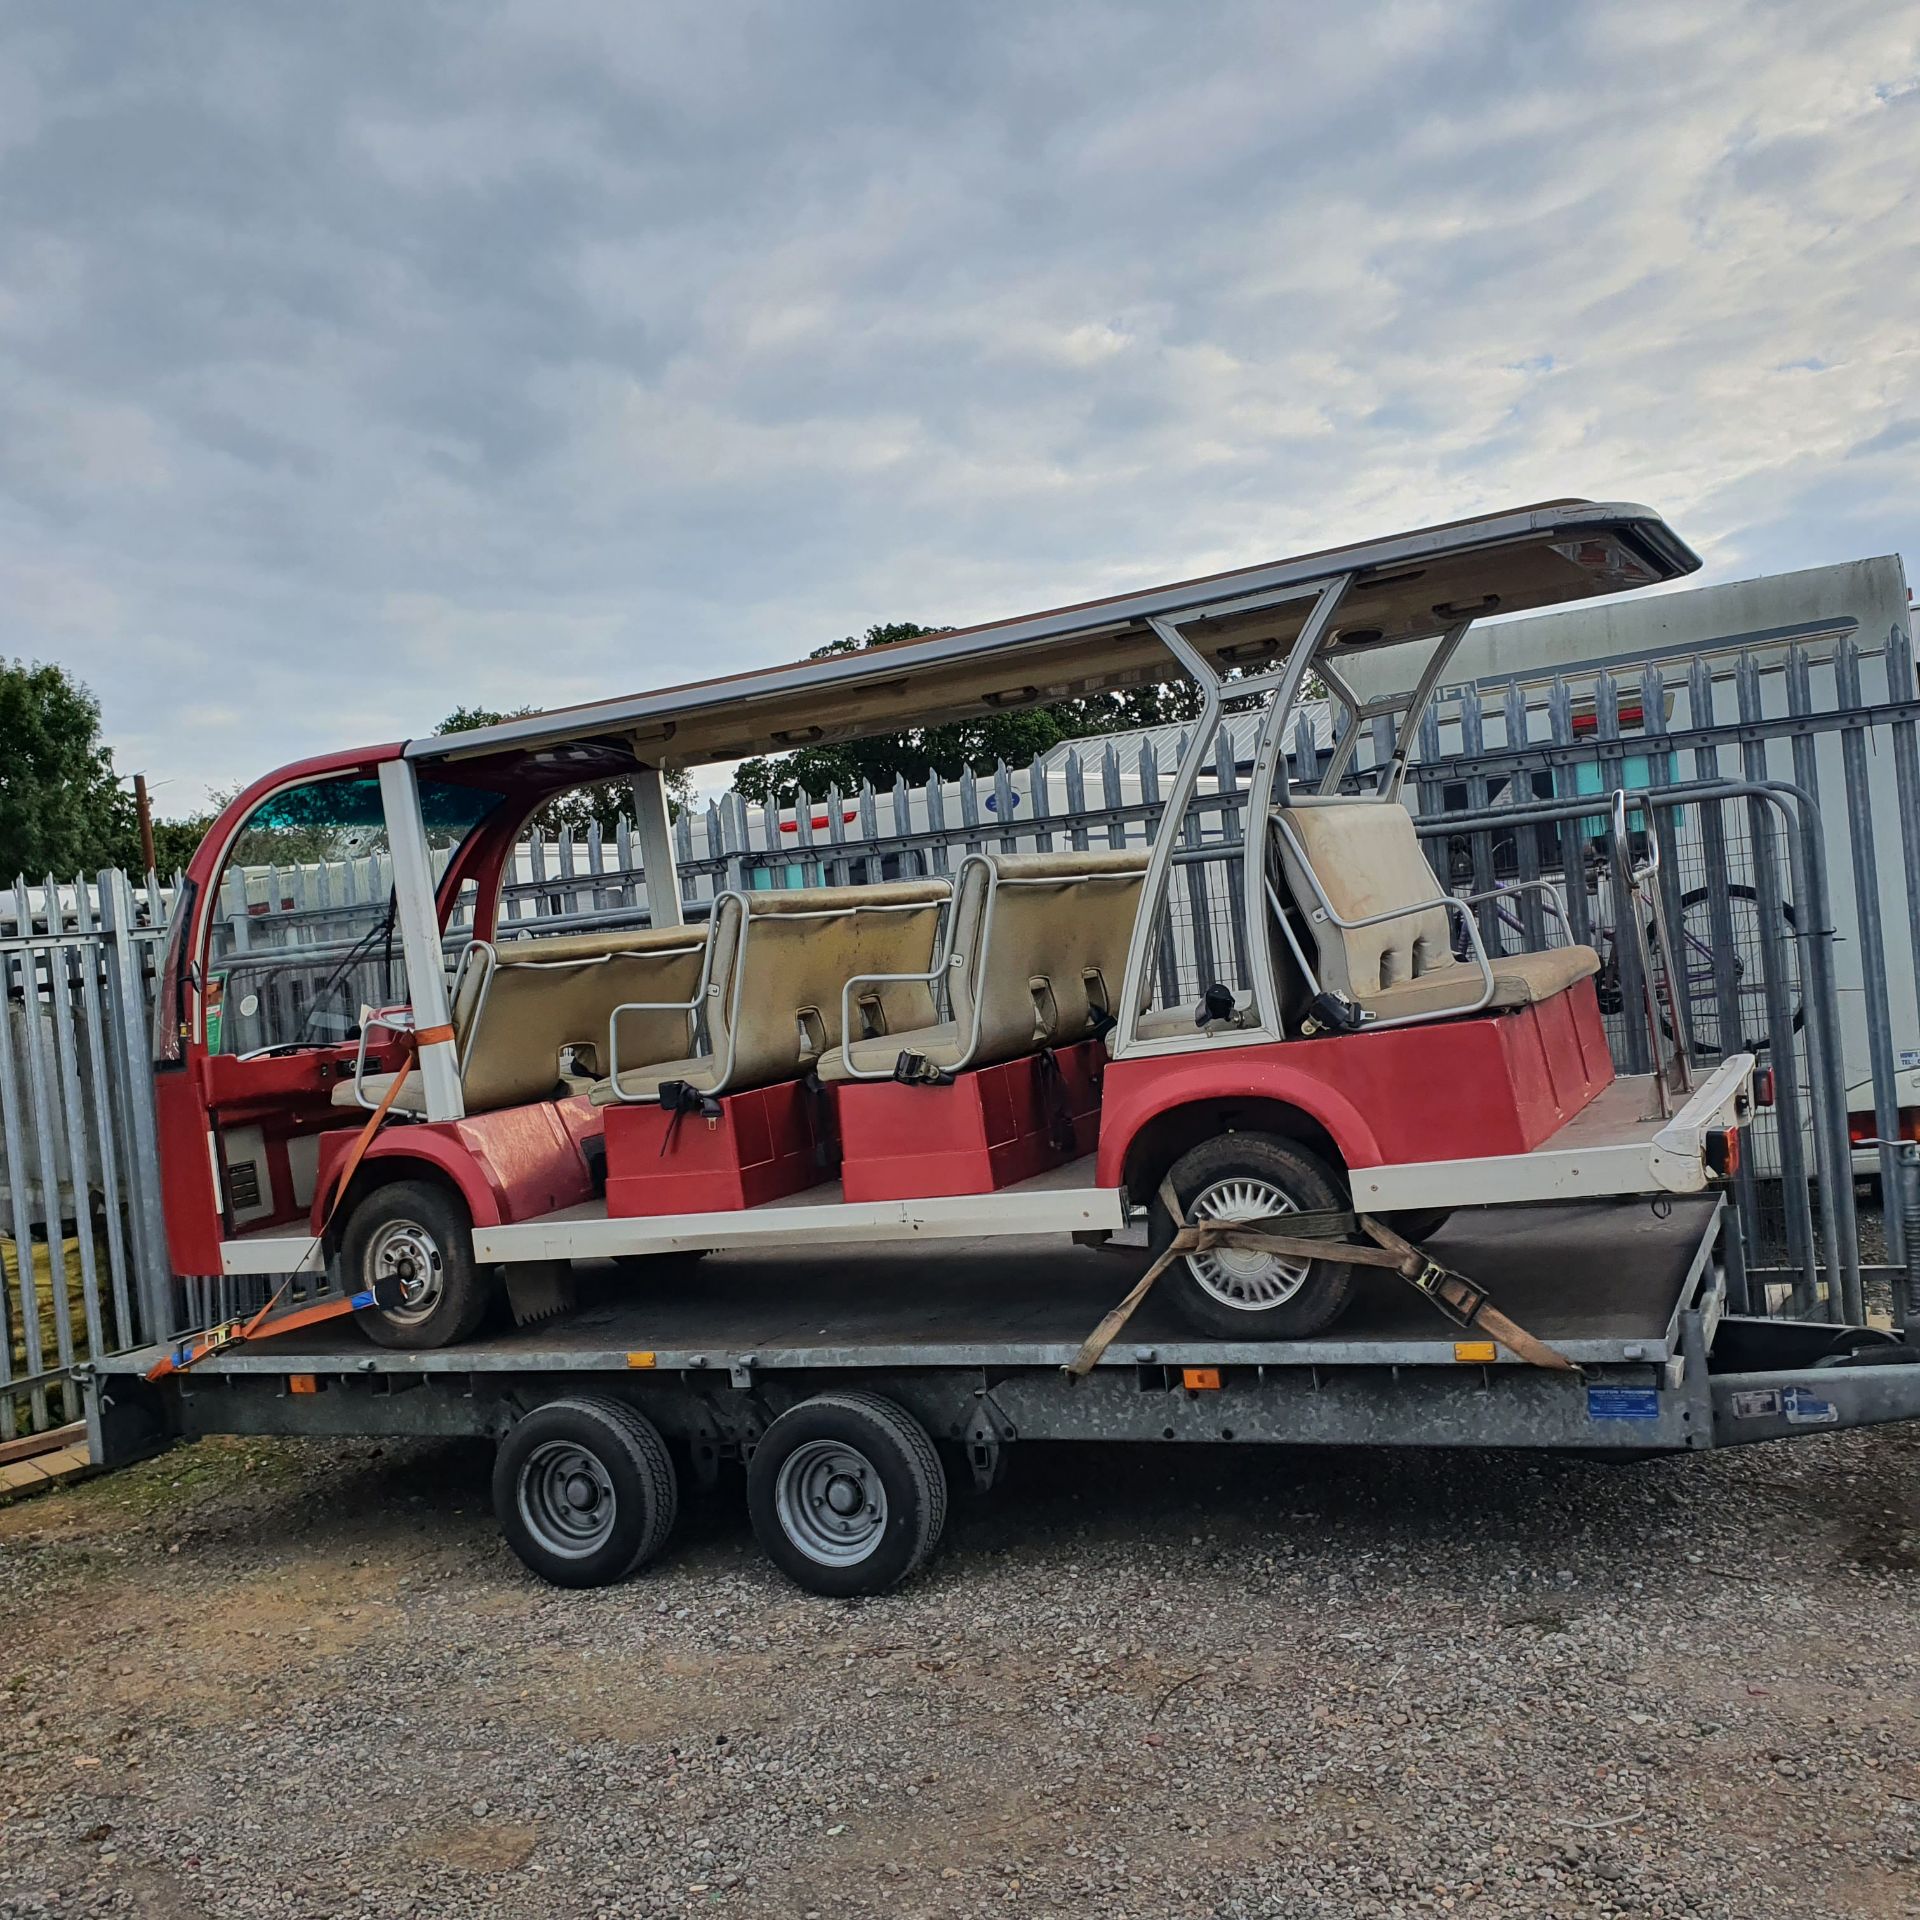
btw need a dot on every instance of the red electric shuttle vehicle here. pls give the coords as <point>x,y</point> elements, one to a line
<point>1300,1019</point>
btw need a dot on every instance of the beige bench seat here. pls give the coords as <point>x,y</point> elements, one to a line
<point>1377,931</point>
<point>1035,959</point>
<point>770,999</point>
<point>519,1004</point>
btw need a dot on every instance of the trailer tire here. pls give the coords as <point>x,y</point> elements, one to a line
<point>846,1494</point>
<point>415,1235</point>
<point>1252,1296</point>
<point>585,1490</point>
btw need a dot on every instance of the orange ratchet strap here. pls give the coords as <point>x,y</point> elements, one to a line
<point>230,1333</point>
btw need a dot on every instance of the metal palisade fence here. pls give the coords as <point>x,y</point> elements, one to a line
<point>1779,785</point>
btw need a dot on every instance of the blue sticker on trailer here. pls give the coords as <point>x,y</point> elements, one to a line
<point>1804,1409</point>
<point>1623,1403</point>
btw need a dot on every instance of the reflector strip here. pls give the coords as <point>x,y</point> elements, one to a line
<point>1200,1379</point>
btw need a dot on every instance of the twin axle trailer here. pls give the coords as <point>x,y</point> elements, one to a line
<point>966,1345</point>
<point>842,1173</point>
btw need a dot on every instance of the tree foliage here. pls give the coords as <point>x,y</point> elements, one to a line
<point>62,808</point>
<point>961,746</point>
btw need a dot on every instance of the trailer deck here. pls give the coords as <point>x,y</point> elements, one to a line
<point>1606,1284</point>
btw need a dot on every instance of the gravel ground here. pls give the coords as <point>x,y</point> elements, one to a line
<point>280,1678</point>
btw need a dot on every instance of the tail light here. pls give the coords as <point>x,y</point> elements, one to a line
<point>1863,1127</point>
<point>1763,1086</point>
<point>1721,1152</point>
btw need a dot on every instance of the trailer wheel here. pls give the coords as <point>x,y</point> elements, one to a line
<point>411,1241</point>
<point>585,1491</point>
<point>1238,1295</point>
<point>846,1494</point>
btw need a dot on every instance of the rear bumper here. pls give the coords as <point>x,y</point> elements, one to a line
<point>1610,1149</point>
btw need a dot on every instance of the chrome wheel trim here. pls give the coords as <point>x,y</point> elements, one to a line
<point>830,1503</point>
<point>1237,1277</point>
<point>566,1499</point>
<point>405,1254</point>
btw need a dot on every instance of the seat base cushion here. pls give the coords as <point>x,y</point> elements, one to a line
<point>644,1083</point>
<point>878,1055</point>
<point>1519,980</point>
<point>413,1096</point>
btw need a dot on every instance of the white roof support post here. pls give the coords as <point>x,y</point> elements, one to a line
<point>1268,787</point>
<point>658,865</point>
<point>438,1065</point>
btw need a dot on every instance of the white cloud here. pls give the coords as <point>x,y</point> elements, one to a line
<point>356,362</point>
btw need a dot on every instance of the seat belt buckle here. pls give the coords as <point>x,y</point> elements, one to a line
<point>1331,1012</point>
<point>916,1070</point>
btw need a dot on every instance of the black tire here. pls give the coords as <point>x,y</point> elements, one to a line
<point>414,1227</point>
<point>1752,949</point>
<point>585,1491</point>
<point>869,1451</point>
<point>1262,1160</point>
<point>1420,1225</point>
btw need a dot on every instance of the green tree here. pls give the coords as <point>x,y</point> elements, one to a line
<point>605,801</point>
<point>174,841</point>
<point>959,747</point>
<point>62,808</point>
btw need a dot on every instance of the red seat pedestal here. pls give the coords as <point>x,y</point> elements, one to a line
<point>761,1148</point>
<point>988,1130</point>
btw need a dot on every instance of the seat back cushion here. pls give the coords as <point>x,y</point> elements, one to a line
<point>798,949</point>
<point>1055,948</point>
<point>1367,859</point>
<point>549,995</point>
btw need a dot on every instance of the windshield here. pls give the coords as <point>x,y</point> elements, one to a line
<point>301,933</point>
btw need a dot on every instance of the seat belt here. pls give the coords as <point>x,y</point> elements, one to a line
<point>680,1099</point>
<point>265,1324</point>
<point>1059,1105</point>
<point>1318,1236</point>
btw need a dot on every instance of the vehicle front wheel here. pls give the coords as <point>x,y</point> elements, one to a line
<point>1240,1294</point>
<point>411,1244</point>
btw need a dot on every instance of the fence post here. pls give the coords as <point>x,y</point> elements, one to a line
<point>133,1084</point>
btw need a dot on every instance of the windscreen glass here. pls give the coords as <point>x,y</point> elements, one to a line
<point>302,931</point>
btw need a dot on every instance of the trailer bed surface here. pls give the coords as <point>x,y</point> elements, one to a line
<point>1602,1282</point>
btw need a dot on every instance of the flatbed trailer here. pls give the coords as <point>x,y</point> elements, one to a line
<point>966,1343</point>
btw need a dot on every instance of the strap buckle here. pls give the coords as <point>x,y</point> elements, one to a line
<point>1453,1293</point>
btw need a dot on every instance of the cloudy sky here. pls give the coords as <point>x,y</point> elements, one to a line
<point>358,360</point>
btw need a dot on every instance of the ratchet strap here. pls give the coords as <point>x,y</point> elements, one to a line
<point>260,1326</point>
<point>1321,1236</point>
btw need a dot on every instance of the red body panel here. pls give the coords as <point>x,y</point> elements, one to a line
<point>986,1131</point>
<point>763,1147</point>
<point>1446,1090</point>
<point>515,1164</point>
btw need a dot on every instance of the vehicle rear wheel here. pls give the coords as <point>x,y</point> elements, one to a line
<point>585,1490</point>
<point>412,1243</point>
<point>1244,1295</point>
<point>846,1494</point>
